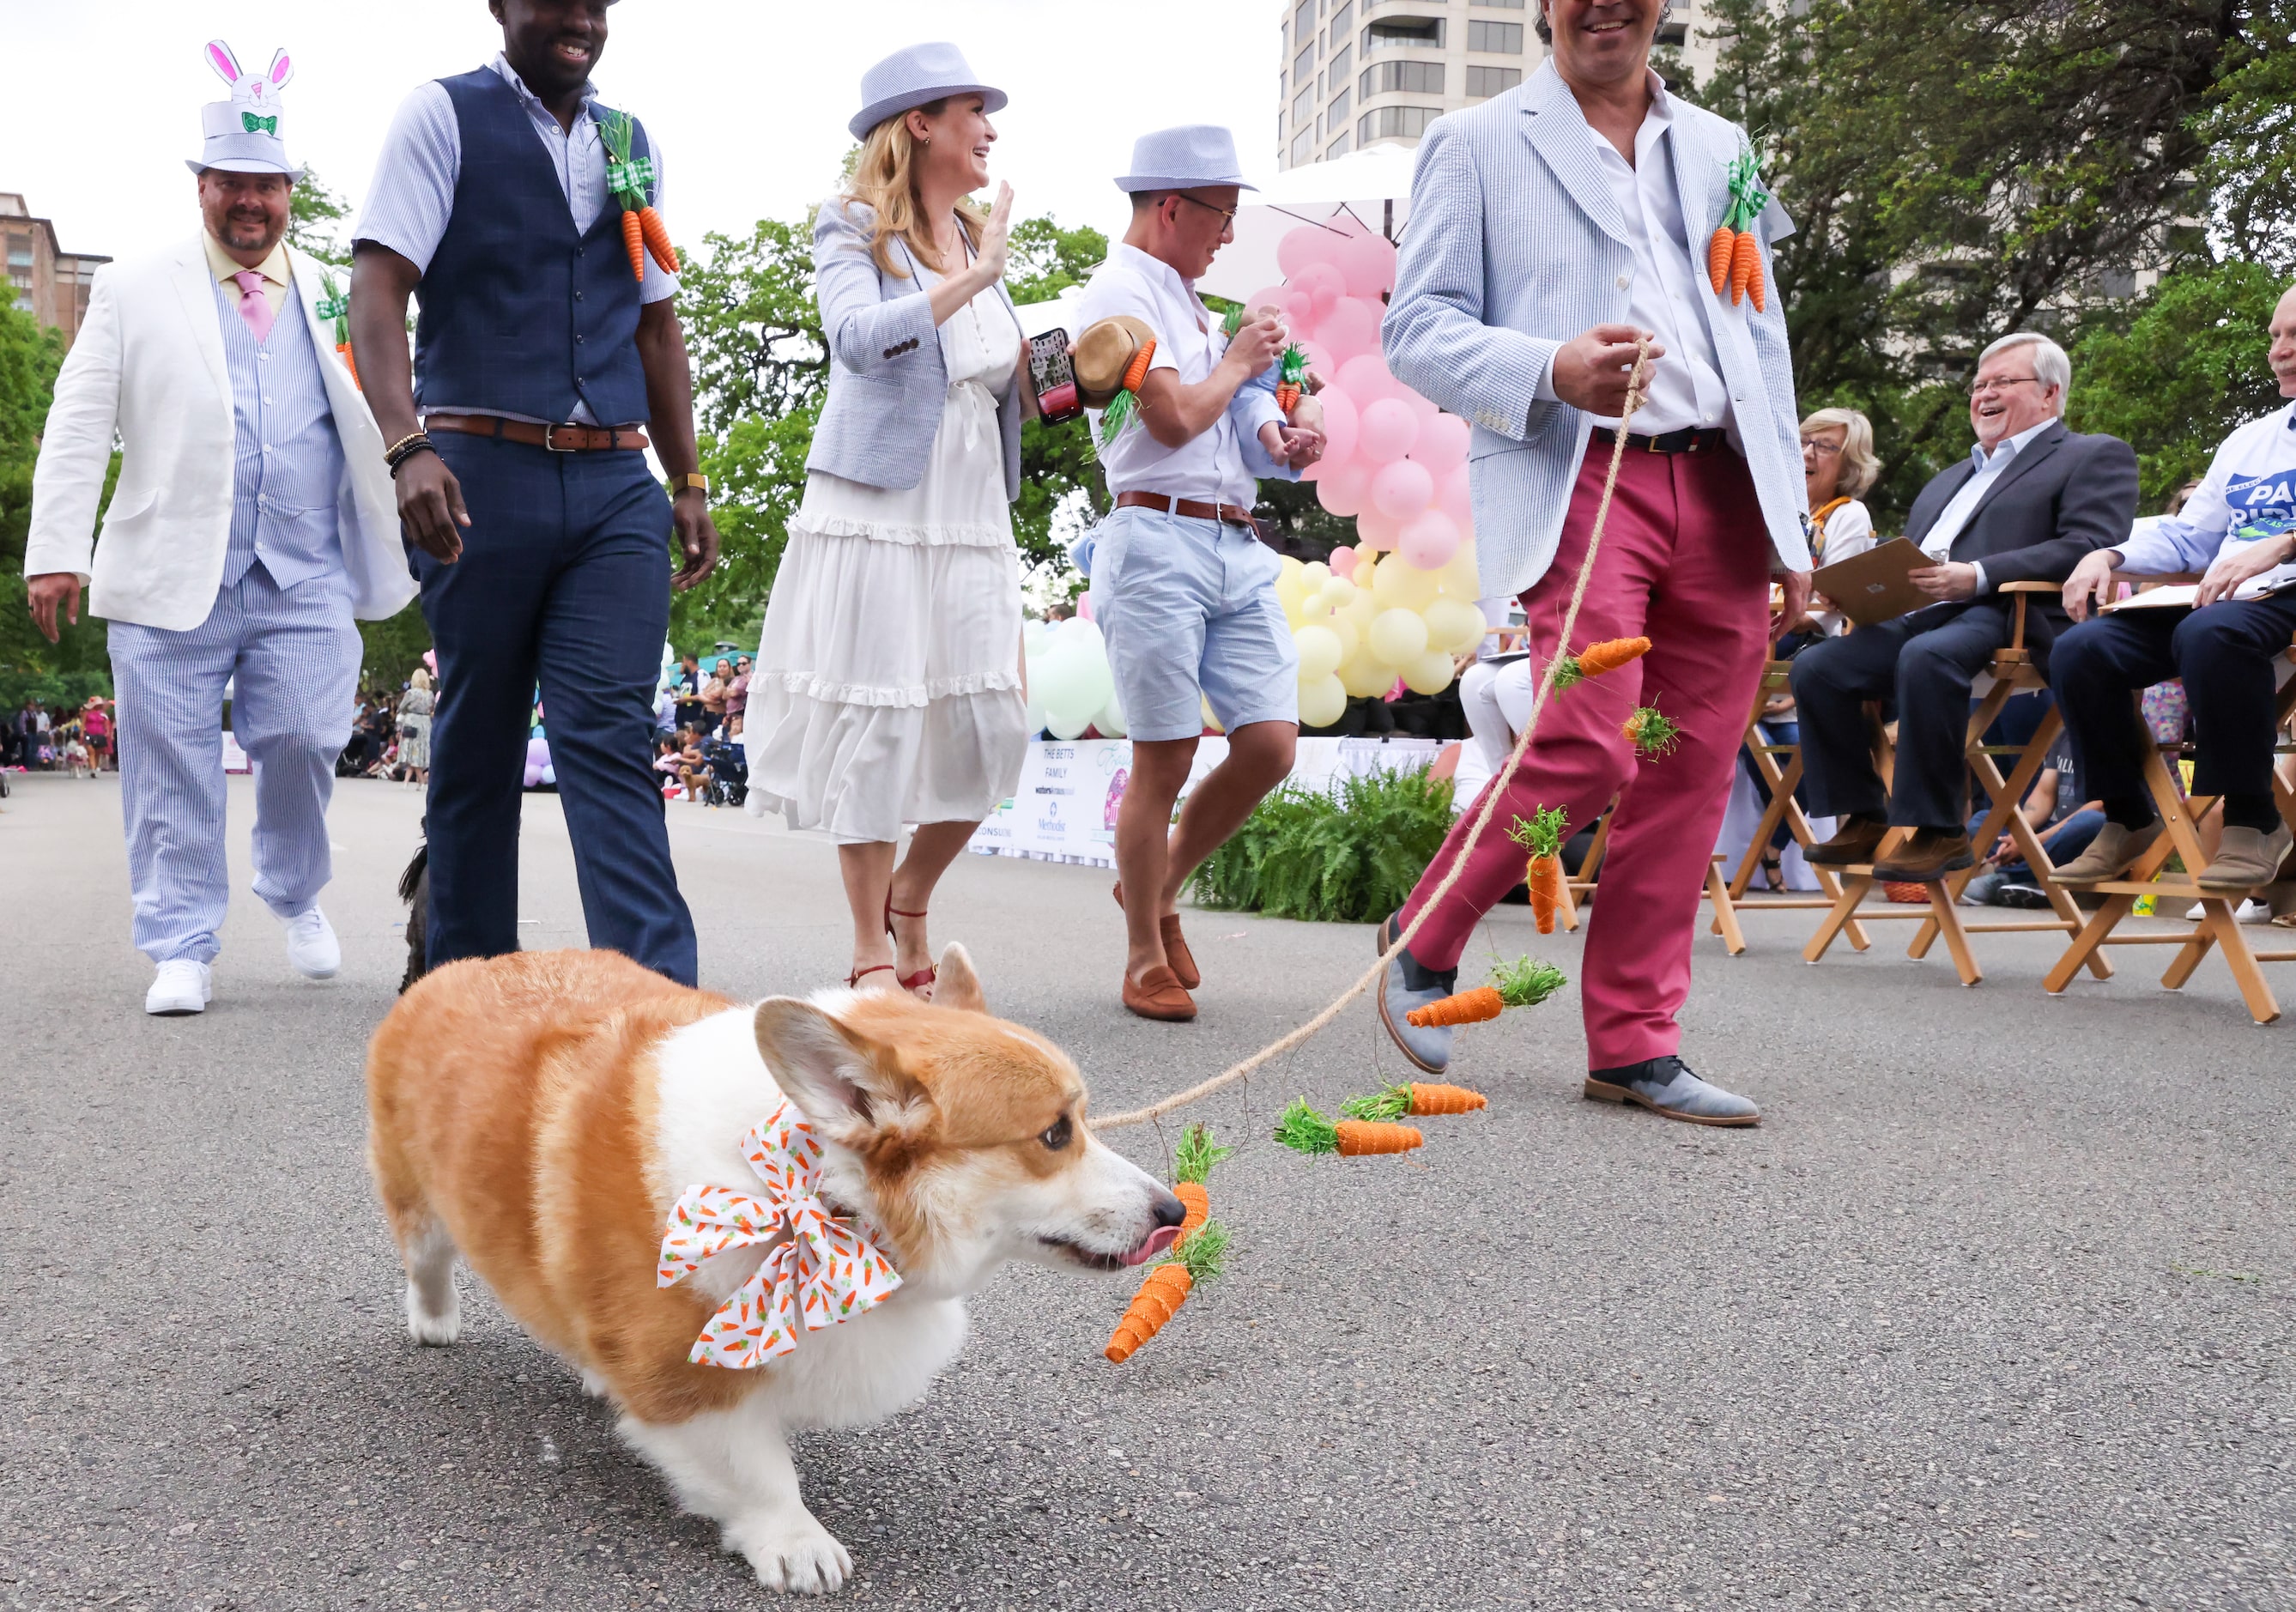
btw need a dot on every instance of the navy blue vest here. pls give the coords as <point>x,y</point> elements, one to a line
<point>521,314</point>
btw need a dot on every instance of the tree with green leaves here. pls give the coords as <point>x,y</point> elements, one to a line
<point>1962,169</point>
<point>76,666</point>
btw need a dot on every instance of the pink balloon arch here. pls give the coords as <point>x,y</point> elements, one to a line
<point>1390,457</point>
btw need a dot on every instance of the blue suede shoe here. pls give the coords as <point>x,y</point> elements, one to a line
<point>1664,1085</point>
<point>1405,985</point>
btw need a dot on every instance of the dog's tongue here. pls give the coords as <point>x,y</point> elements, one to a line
<point>1159,1239</point>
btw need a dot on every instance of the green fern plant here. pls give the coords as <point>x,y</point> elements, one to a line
<point>1349,856</point>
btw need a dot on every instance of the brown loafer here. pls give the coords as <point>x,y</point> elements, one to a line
<point>1929,855</point>
<point>2109,855</point>
<point>1855,840</point>
<point>1176,945</point>
<point>1160,995</point>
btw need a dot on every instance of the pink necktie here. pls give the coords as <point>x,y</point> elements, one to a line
<point>254,307</point>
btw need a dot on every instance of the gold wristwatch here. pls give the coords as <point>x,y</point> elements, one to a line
<point>693,479</point>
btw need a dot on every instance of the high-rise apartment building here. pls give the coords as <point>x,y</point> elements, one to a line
<point>1367,72</point>
<point>43,280</point>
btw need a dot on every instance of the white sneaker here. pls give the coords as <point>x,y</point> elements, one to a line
<point>182,986</point>
<point>311,944</point>
<point>2250,911</point>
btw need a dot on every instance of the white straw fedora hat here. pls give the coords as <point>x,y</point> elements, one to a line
<point>1195,156</point>
<point>917,76</point>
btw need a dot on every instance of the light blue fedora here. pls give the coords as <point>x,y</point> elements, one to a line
<point>914,77</point>
<point>1195,156</point>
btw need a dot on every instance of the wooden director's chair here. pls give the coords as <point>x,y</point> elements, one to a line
<point>1779,766</point>
<point>2181,816</point>
<point>2013,672</point>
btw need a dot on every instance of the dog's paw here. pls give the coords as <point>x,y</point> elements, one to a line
<point>793,1553</point>
<point>433,1330</point>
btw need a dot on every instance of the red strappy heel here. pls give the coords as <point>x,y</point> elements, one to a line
<point>853,980</point>
<point>926,976</point>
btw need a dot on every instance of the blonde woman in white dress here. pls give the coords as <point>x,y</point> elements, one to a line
<point>888,684</point>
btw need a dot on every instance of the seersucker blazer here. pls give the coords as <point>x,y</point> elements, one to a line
<point>1516,245</point>
<point>887,380</point>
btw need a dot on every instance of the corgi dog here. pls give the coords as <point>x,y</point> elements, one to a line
<point>540,1115</point>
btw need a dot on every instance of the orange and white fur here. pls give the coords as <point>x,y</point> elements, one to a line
<point>538,1115</point>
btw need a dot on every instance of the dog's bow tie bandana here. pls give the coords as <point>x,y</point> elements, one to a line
<point>826,1270</point>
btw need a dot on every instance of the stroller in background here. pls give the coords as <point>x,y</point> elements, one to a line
<point>729,773</point>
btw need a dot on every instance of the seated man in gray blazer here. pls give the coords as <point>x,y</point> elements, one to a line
<point>2030,501</point>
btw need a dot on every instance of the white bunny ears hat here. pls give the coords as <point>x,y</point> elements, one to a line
<point>242,133</point>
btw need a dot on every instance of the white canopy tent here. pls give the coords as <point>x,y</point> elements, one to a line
<point>1373,187</point>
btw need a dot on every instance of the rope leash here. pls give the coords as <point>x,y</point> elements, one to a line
<point>1498,787</point>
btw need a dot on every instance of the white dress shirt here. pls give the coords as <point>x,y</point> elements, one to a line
<point>1937,544</point>
<point>1208,467</point>
<point>2248,495</point>
<point>1685,386</point>
<point>412,194</point>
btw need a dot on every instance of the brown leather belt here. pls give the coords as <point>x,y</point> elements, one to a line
<point>1688,439</point>
<point>557,439</point>
<point>1188,508</point>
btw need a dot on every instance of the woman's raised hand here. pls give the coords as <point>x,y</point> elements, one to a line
<point>991,259</point>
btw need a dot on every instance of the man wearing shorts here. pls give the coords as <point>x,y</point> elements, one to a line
<point>1181,584</point>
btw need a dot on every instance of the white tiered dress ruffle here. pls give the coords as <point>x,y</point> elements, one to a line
<point>887,684</point>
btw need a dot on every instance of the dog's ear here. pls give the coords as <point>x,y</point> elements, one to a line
<point>955,982</point>
<point>841,1081</point>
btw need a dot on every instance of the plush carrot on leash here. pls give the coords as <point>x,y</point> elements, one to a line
<point>1418,1099</point>
<point>631,181</point>
<point>1542,835</point>
<point>1522,983</point>
<point>1304,1130</point>
<point>1195,1259</point>
<point>1652,732</point>
<point>1291,379</point>
<point>1192,1162</point>
<point>1597,658</point>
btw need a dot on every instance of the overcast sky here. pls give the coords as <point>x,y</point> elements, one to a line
<point>747,97</point>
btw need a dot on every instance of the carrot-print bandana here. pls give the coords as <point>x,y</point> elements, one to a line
<point>825,1269</point>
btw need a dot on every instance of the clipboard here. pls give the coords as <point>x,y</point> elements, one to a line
<point>1872,587</point>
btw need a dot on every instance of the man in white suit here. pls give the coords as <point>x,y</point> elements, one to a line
<point>1550,228</point>
<point>252,521</point>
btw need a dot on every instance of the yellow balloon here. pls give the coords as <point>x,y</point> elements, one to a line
<point>1323,701</point>
<point>1362,676</point>
<point>1315,573</point>
<point>1399,637</point>
<point>1291,569</point>
<point>1320,653</point>
<point>1210,721</point>
<point>1400,586</point>
<point>1453,626</point>
<point>1429,673</point>
<point>1337,592</point>
<point>1457,578</point>
<point>1362,611</point>
<point>1342,627</point>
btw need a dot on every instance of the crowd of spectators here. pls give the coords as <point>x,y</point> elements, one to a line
<point>60,738</point>
<point>698,718</point>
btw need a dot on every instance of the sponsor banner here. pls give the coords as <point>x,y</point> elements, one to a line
<point>1064,809</point>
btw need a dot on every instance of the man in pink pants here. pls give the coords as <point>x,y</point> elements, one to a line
<point>1552,228</point>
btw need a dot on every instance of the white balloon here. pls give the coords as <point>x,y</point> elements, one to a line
<point>1320,652</point>
<point>1322,701</point>
<point>1111,719</point>
<point>1398,636</point>
<point>1062,729</point>
<point>1453,626</point>
<point>1429,673</point>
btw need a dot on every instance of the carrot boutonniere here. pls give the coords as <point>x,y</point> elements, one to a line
<point>334,305</point>
<point>631,181</point>
<point>1124,407</point>
<point>1734,257</point>
<point>1652,732</point>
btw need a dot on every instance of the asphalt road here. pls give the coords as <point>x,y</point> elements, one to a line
<point>1993,1311</point>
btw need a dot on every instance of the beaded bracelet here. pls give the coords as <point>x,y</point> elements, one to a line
<point>405,449</point>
